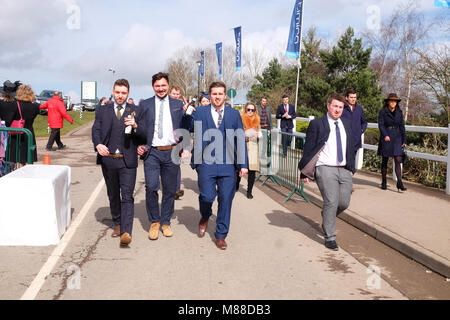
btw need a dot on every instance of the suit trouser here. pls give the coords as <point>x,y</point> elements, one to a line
<point>286,139</point>
<point>55,136</point>
<point>211,185</point>
<point>335,185</point>
<point>120,180</point>
<point>159,164</point>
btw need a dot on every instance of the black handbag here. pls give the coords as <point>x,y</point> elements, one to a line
<point>404,156</point>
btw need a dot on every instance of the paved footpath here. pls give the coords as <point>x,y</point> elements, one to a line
<point>272,253</point>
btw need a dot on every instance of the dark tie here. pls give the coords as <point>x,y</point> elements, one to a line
<point>119,115</point>
<point>339,143</point>
<point>219,122</point>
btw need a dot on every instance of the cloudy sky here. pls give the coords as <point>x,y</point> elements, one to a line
<point>54,44</point>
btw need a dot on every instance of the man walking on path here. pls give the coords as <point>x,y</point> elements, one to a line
<point>328,157</point>
<point>286,112</point>
<point>117,154</point>
<point>163,115</point>
<point>355,114</point>
<point>56,113</point>
<point>175,93</point>
<point>219,151</point>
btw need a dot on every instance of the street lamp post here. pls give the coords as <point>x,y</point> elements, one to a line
<point>113,72</point>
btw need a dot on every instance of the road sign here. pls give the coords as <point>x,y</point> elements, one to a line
<point>231,93</point>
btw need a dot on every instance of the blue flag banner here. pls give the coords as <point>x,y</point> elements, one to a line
<point>238,36</point>
<point>219,57</point>
<point>295,34</point>
<point>442,3</point>
<point>202,65</point>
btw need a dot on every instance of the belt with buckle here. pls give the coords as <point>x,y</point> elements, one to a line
<point>115,156</point>
<point>165,148</point>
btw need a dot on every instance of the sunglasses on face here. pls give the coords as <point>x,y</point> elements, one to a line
<point>251,110</point>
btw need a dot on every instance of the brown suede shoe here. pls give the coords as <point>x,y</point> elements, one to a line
<point>167,231</point>
<point>153,234</point>
<point>202,225</point>
<point>116,232</point>
<point>125,239</point>
<point>221,244</point>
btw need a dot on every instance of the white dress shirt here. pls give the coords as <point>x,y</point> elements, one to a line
<point>215,114</point>
<point>329,156</point>
<point>168,137</point>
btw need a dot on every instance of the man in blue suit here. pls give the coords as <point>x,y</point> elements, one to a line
<point>219,150</point>
<point>163,115</point>
<point>117,154</point>
<point>328,157</point>
<point>286,112</point>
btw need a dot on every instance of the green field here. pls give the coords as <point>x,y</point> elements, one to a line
<point>41,123</point>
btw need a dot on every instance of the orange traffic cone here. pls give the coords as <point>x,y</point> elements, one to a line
<point>47,159</point>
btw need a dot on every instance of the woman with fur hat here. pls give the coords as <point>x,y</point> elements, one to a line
<point>392,138</point>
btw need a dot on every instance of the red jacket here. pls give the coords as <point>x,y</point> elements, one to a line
<point>56,112</point>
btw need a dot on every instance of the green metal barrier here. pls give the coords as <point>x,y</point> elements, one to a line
<point>268,154</point>
<point>18,140</point>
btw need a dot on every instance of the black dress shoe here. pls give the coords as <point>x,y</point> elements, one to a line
<point>49,149</point>
<point>62,147</point>
<point>249,195</point>
<point>332,245</point>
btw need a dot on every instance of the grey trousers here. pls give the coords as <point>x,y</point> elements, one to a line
<point>335,185</point>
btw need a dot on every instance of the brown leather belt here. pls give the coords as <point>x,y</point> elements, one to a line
<point>115,156</point>
<point>165,148</point>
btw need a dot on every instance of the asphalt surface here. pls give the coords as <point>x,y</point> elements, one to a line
<point>275,251</point>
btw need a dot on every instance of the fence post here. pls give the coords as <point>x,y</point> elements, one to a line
<point>447,189</point>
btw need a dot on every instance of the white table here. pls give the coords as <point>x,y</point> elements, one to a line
<point>35,207</point>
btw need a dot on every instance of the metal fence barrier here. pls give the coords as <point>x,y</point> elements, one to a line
<point>279,168</point>
<point>8,140</point>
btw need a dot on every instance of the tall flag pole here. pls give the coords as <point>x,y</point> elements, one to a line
<point>202,65</point>
<point>295,39</point>
<point>238,37</point>
<point>220,58</point>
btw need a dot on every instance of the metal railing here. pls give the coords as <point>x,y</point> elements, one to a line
<point>412,154</point>
<point>11,159</point>
<point>279,168</point>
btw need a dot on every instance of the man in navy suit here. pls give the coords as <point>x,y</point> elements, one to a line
<point>116,133</point>
<point>163,115</point>
<point>286,112</point>
<point>219,150</point>
<point>328,157</point>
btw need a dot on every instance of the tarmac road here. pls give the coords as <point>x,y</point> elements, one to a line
<point>275,251</point>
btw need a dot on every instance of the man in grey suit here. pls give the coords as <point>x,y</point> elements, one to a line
<point>328,157</point>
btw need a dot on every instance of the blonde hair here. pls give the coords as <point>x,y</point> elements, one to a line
<point>25,93</point>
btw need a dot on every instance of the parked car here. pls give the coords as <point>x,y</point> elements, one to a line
<point>47,95</point>
<point>90,104</point>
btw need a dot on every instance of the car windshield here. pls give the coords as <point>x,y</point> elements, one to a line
<point>48,94</point>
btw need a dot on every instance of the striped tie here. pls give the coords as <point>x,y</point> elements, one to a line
<point>339,143</point>
<point>219,122</point>
<point>160,119</point>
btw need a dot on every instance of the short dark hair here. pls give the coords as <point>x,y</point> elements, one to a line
<point>217,84</point>
<point>159,76</point>
<point>350,91</point>
<point>122,83</point>
<point>336,96</point>
<point>284,96</point>
<point>262,98</point>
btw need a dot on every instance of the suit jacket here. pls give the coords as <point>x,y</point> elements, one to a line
<point>316,137</point>
<point>149,108</point>
<point>359,123</point>
<point>101,132</point>
<point>231,121</point>
<point>286,123</point>
<point>269,114</point>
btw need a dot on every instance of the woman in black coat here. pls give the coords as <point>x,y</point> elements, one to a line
<point>30,110</point>
<point>392,138</point>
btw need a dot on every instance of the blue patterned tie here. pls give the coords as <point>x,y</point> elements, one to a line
<point>339,143</point>
<point>160,119</point>
<point>219,121</point>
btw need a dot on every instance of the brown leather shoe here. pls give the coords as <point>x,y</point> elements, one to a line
<point>167,231</point>
<point>221,244</point>
<point>116,232</point>
<point>125,239</point>
<point>202,225</point>
<point>153,234</point>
